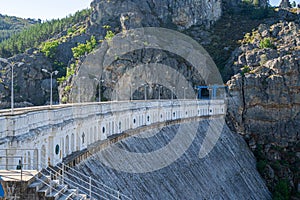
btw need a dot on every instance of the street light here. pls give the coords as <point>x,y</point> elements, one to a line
<point>100,81</point>
<point>197,96</point>
<point>12,83</point>
<point>145,91</point>
<point>51,74</point>
<point>184,88</point>
<point>131,92</point>
<point>172,92</point>
<point>159,92</point>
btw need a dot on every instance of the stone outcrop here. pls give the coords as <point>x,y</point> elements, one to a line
<point>264,102</point>
<point>31,85</point>
<point>156,13</point>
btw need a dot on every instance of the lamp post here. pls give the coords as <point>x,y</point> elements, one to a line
<point>197,89</point>
<point>131,93</point>
<point>145,91</point>
<point>172,91</point>
<point>100,81</point>
<point>159,92</point>
<point>12,84</point>
<point>184,88</point>
<point>51,82</point>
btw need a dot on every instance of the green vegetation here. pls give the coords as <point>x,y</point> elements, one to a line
<point>10,25</point>
<point>49,48</point>
<point>70,72</point>
<point>109,33</point>
<point>245,69</point>
<point>64,99</point>
<point>261,165</point>
<point>266,43</point>
<point>282,190</point>
<point>38,33</point>
<point>82,49</point>
<point>67,88</point>
<point>252,9</point>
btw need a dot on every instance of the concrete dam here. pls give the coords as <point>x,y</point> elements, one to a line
<point>162,149</point>
<point>227,172</point>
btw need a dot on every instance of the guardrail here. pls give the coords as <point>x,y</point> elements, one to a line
<point>82,183</point>
<point>25,119</point>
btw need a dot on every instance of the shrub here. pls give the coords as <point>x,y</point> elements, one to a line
<point>64,100</point>
<point>49,48</point>
<point>266,43</point>
<point>109,35</point>
<point>261,165</point>
<point>282,191</point>
<point>81,49</point>
<point>245,69</point>
<point>67,88</point>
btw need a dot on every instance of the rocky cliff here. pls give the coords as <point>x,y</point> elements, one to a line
<point>164,13</point>
<point>264,103</point>
<point>31,85</point>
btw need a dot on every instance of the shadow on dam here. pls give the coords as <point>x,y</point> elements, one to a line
<point>227,172</point>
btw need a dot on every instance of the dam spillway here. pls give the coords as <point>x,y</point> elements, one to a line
<point>227,172</point>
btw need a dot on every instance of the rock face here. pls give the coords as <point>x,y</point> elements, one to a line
<point>227,172</point>
<point>264,103</point>
<point>31,85</point>
<point>156,13</point>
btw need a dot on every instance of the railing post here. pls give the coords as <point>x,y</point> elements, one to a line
<point>118,194</point>
<point>21,163</point>
<point>50,182</point>
<point>63,173</point>
<point>90,187</point>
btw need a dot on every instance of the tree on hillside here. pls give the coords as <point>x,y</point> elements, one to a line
<point>285,4</point>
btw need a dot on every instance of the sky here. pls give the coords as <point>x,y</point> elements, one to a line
<point>42,9</point>
<point>52,9</point>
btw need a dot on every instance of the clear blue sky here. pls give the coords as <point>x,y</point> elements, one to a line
<point>276,2</point>
<point>53,9</point>
<point>42,9</point>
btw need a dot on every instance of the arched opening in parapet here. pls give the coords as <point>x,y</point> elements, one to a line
<point>78,140</point>
<point>29,160</point>
<point>25,160</point>
<point>95,134</point>
<point>62,148</point>
<point>120,126</point>
<point>35,159</point>
<point>90,136</point>
<point>83,138</point>
<point>72,142</point>
<point>67,145</point>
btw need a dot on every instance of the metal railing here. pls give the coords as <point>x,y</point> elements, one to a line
<point>89,190</point>
<point>82,184</point>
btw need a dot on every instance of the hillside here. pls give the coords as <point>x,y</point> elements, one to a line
<point>35,35</point>
<point>10,25</point>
